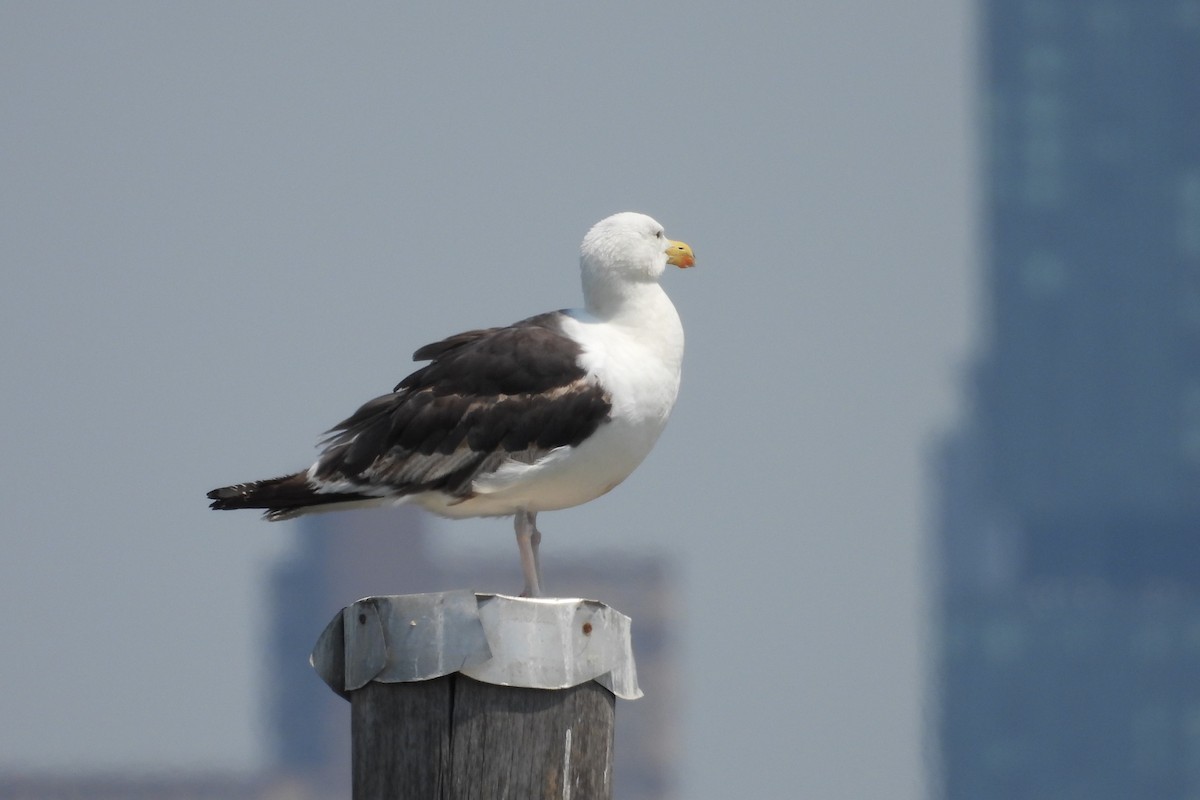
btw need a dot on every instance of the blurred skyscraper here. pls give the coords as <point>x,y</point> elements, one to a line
<point>1069,519</point>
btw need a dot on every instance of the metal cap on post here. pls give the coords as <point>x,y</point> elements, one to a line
<point>458,694</point>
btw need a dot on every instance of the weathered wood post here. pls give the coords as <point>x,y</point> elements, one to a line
<point>457,695</point>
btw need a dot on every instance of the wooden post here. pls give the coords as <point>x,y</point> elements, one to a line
<point>458,738</point>
<point>457,696</point>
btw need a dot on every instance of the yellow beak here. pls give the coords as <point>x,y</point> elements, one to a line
<point>680,255</point>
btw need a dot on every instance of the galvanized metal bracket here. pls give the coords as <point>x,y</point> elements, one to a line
<point>539,643</point>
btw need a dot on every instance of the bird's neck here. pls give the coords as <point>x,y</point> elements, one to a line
<point>618,301</point>
<point>643,311</point>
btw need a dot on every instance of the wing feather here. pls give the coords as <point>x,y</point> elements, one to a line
<point>487,397</point>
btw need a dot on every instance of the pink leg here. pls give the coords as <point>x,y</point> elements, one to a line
<point>528,540</point>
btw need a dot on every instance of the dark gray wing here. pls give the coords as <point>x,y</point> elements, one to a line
<point>486,397</point>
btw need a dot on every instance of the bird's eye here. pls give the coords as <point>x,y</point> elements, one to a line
<point>659,234</point>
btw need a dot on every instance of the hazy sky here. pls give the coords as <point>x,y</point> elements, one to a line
<point>223,226</point>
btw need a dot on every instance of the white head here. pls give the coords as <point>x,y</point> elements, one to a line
<point>624,250</point>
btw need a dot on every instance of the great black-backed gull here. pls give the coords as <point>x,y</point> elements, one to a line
<point>547,413</point>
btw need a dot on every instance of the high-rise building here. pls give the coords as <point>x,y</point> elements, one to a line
<point>1069,518</point>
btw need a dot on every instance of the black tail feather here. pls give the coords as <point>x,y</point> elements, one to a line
<point>280,498</point>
